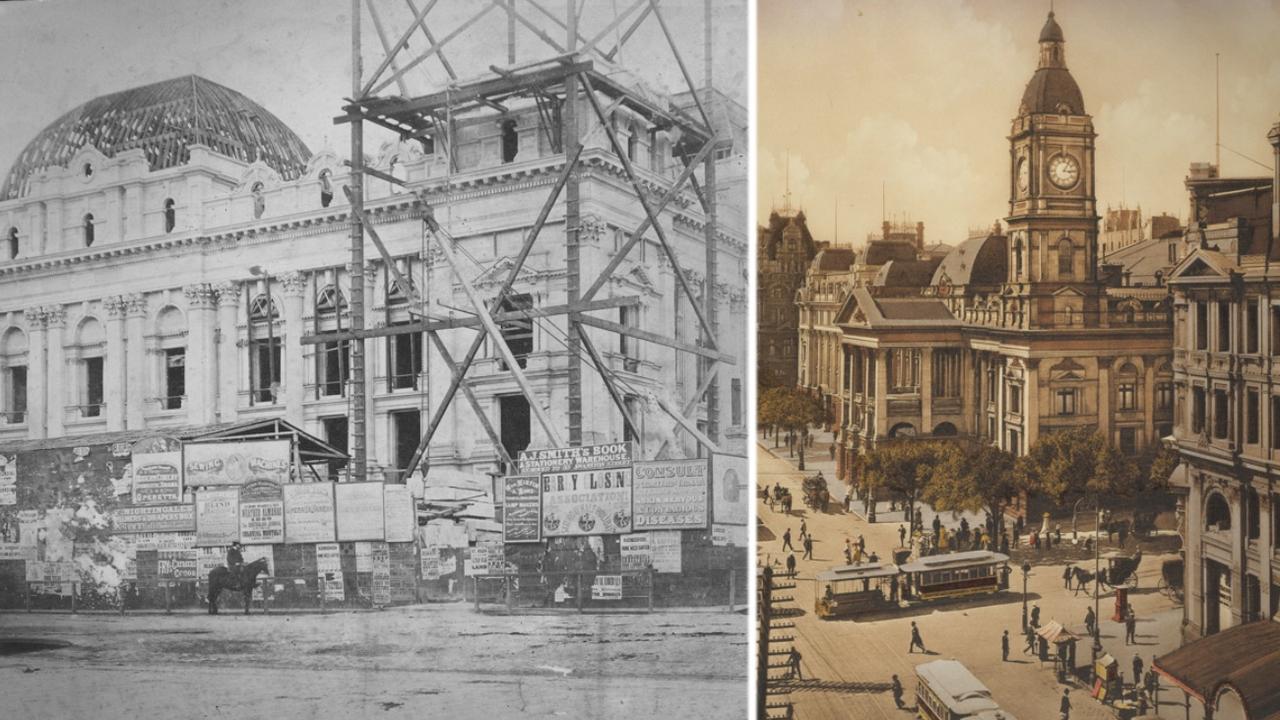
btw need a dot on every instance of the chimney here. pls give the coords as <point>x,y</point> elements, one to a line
<point>1274,137</point>
<point>920,237</point>
<point>884,229</point>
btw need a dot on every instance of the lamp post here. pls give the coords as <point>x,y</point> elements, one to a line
<point>259,271</point>
<point>1026,573</point>
<point>1096,648</point>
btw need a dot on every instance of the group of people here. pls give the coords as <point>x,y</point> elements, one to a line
<point>778,498</point>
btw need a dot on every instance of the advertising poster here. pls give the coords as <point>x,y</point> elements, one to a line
<point>587,457</point>
<point>448,565</point>
<point>364,557</point>
<point>217,516</point>
<point>607,587</point>
<point>665,548</point>
<point>380,554</point>
<point>670,495</point>
<point>153,519</point>
<point>400,516</point>
<point>360,512</point>
<point>308,513</point>
<point>157,477</point>
<point>478,563</point>
<point>729,535</point>
<point>522,509</point>
<point>430,564</point>
<point>236,462</point>
<point>14,551</point>
<point>178,565</point>
<point>328,558</point>
<point>635,551</point>
<point>261,513</point>
<point>8,479</point>
<point>208,558</point>
<point>591,502</point>
<point>730,489</point>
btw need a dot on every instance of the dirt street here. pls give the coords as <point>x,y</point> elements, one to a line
<point>421,661</point>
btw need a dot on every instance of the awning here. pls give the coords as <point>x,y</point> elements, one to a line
<point>1054,632</point>
<point>1245,659</point>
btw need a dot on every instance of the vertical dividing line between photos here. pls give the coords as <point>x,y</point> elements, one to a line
<point>751,391</point>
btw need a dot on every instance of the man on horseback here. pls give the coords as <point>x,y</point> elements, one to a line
<point>235,560</point>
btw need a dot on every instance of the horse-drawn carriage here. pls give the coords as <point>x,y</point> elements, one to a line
<point>1171,576</point>
<point>816,495</point>
<point>1121,569</point>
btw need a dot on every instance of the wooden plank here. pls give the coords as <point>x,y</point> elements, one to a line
<point>471,399</point>
<point>657,339</point>
<point>607,376</point>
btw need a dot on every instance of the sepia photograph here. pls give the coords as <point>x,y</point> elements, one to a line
<point>374,358</point>
<point>1015,395</point>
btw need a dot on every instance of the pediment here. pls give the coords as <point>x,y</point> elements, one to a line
<point>1068,290</point>
<point>497,272</point>
<point>258,172</point>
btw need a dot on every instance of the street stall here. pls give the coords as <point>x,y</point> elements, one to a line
<point>1231,674</point>
<point>1053,635</point>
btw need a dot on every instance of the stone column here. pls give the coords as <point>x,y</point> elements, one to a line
<point>375,362</point>
<point>228,352</point>
<point>295,285</point>
<point>926,391</point>
<point>136,389</point>
<point>56,381</point>
<point>53,226</point>
<point>1193,573</point>
<point>1104,396</point>
<point>113,391</point>
<point>199,356</point>
<point>133,212</point>
<point>37,372</point>
<point>882,392</point>
<point>1149,401</point>
<point>1031,425</point>
<point>1239,560</point>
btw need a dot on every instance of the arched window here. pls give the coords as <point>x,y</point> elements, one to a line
<point>13,392</point>
<point>13,243</point>
<point>1066,258</point>
<point>332,356</point>
<point>259,201</point>
<point>1017,258</point>
<point>945,429</point>
<point>88,229</point>
<point>326,188</point>
<point>1217,514</point>
<point>510,141</point>
<point>902,430</point>
<point>170,215</point>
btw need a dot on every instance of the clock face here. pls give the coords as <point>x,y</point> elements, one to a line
<point>1024,175</point>
<point>1064,171</point>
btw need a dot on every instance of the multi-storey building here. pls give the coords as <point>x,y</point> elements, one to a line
<point>1226,341</point>
<point>1013,334</point>
<point>784,251</point>
<point>818,300</point>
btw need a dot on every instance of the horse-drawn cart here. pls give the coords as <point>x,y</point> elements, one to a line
<point>816,495</point>
<point>1121,569</point>
<point>1171,575</point>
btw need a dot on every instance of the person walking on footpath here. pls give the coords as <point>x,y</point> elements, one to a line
<point>1137,672</point>
<point>1004,647</point>
<point>937,525</point>
<point>916,641</point>
<point>897,691</point>
<point>1066,576</point>
<point>1089,620</point>
<point>862,544</point>
<point>808,548</point>
<point>795,664</point>
<point>902,536</point>
<point>786,541</point>
<point>1035,616</point>
<point>804,529</point>
<point>791,563</point>
<point>1030,636</point>
<point>1064,707</point>
<point>1130,628</point>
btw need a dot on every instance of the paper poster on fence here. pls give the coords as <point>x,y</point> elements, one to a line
<point>587,457</point>
<point>157,477</point>
<point>153,518</point>
<point>178,565</point>
<point>730,489</point>
<point>593,502</point>
<point>261,513</point>
<point>607,587</point>
<point>400,516</point>
<point>8,479</point>
<point>635,551</point>
<point>729,535</point>
<point>217,516</point>
<point>308,513</point>
<point>235,462</point>
<point>381,561</point>
<point>328,558</point>
<point>665,546</point>
<point>522,509</point>
<point>670,495</point>
<point>360,511</point>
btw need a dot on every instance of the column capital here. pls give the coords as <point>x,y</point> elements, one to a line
<point>199,296</point>
<point>36,318</point>
<point>137,305</point>
<point>115,305</point>
<point>294,283</point>
<point>1106,362</point>
<point>55,315</point>
<point>228,293</point>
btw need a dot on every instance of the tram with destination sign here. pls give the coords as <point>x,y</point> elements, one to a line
<point>948,575</point>
<point>946,690</point>
<point>852,590</point>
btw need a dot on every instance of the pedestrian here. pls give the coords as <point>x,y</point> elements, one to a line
<point>897,692</point>
<point>1130,628</point>
<point>1124,532</point>
<point>786,503</point>
<point>1030,636</point>
<point>937,525</point>
<point>902,536</point>
<point>804,529</point>
<point>791,563</point>
<point>1004,544</point>
<point>832,449</point>
<point>862,544</point>
<point>1137,671</point>
<point>1089,620</point>
<point>786,540</point>
<point>1153,682</point>
<point>1035,616</point>
<point>1004,647</point>
<point>795,664</point>
<point>808,548</point>
<point>848,555</point>
<point>916,641</point>
<point>1066,576</point>
<point>1064,708</point>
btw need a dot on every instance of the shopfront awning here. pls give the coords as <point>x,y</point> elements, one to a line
<point>1244,659</point>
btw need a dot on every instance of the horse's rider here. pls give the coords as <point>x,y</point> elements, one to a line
<point>235,559</point>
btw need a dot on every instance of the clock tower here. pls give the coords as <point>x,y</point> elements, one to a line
<point>1053,222</point>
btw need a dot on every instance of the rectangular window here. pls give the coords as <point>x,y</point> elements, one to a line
<point>1251,327</point>
<point>1015,443</point>
<point>1015,399</point>
<point>517,332</point>
<point>1127,394</point>
<point>16,394</point>
<point>1164,396</point>
<point>635,411</point>
<point>265,359</point>
<point>514,426</point>
<point>735,400</point>
<point>1224,326</point>
<point>332,366</point>
<point>404,360</point>
<point>92,405</point>
<point>406,428</point>
<point>1128,440</point>
<point>1202,326</point>
<point>1275,426</point>
<point>1275,329</point>
<point>1198,410</point>
<point>626,344</point>
<point>1066,401</point>
<point>175,378</point>
<point>1251,417</point>
<point>335,433</point>
<point>1221,414</point>
<point>991,426</point>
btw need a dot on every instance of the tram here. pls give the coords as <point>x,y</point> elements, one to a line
<point>850,590</point>
<point>946,690</point>
<point>959,574</point>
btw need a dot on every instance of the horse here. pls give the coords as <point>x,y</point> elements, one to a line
<point>1083,577</point>
<point>220,578</point>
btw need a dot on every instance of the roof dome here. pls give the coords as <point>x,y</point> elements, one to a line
<point>1051,32</point>
<point>1052,89</point>
<point>164,120</point>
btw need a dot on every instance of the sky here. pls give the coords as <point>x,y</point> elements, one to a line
<point>919,96</point>
<point>293,57</point>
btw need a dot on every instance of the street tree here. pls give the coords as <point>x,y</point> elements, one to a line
<point>1060,464</point>
<point>905,467</point>
<point>973,478</point>
<point>792,410</point>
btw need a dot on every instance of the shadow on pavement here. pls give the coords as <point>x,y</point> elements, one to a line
<point>839,686</point>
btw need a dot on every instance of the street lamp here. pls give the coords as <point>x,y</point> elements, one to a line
<point>1026,573</point>
<point>1096,649</point>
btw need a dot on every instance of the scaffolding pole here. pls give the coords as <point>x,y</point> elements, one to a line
<point>359,420</point>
